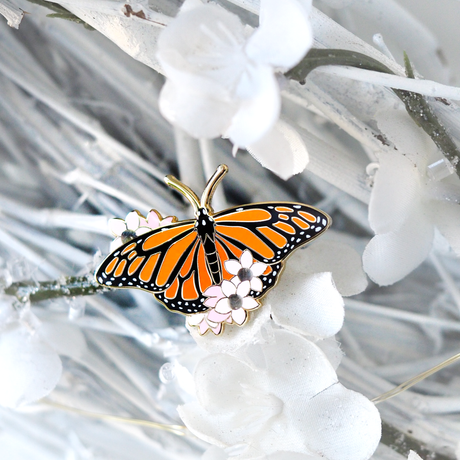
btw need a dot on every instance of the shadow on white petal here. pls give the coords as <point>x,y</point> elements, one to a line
<point>390,257</point>
<point>281,150</point>
<point>284,35</point>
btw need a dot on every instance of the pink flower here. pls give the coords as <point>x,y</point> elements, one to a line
<point>154,220</point>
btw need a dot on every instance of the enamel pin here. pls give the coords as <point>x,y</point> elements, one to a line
<point>215,268</point>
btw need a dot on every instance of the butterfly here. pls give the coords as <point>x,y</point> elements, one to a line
<point>181,261</point>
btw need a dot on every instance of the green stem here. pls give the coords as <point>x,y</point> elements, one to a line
<point>416,105</point>
<point>61,12</point>
<point>403,443</point>
<point>69,286</point>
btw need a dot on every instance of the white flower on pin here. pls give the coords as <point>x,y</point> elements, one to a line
<point>135,224</point>
<point>246,270</point>
<point>221,75</point>
<point>236,301</point>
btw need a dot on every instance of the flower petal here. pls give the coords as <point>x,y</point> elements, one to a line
<point>143,230</point>
<point>333,256</point>
<point>153,219</point>
<point>409,139</point>
<point>211,302</point>
<point>249,303</point>
<point>256,284</point>
<point>195,319</point>
<point>228,288</point>
<point>216,329</point>
<point>307,303</point>
<point>339,424</point>
<point>258,268</point>
<point>116,226</point>
<point>259,107</point>
<point>243,288</point>
<point>239,316</point>
<point>199,114</point>
<point>232,266</point>
<point>202,49</point>
<point>447,218</point>
<point>234,338</point>
<point>223,306</point>
<point>30,368</point>
<point>167,221</point>
<point>217,317</point>
<point>310,374</point>
<point>213,291</point>
<point>284,35</point>
<point>397,188</point>
<point>246,259</point>
<point>281,150</point>
<point>392,256</point>
<point>132,221</point>
<point>203,327</point>
<point>115,244</point>
<point>218,381</point>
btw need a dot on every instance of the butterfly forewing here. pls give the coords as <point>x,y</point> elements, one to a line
<point>271,231</point>
<point>150,261</point>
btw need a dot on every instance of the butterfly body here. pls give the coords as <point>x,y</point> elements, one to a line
<point>178,263</point>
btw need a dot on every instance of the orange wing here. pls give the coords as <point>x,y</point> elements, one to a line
<point>151,261</point>
<point>271,231</point>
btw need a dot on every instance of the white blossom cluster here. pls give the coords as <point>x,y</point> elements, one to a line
<point>88,132</point>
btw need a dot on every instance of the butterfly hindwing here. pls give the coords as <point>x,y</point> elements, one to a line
<point>271,231</point>
<point>150,261</point>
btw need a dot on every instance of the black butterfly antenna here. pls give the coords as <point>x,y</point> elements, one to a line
<point>208,192</point>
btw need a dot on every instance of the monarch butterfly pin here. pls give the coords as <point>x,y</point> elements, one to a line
<point>215,268</point>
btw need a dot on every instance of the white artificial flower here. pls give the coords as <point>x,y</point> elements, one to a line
<point>246,270</point>
<point>127,229</point>
<point>308,297</point>
<point>286,399</point>
<point>407,204</point>
<point>236,301</point>
<point>221,75</point>
<point>29,355</point>
<point>414,456</point>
